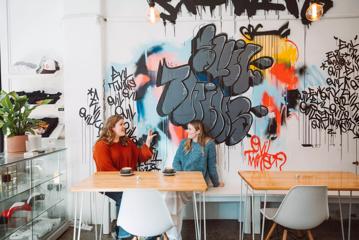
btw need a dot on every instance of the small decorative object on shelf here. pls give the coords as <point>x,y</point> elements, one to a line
<point>35,206</point>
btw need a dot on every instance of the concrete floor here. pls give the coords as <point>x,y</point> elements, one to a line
<point>228,230</point>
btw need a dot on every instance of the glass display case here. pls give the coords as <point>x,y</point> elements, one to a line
<point>33,195</point>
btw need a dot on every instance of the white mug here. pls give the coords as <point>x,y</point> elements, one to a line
<point>33,142</point>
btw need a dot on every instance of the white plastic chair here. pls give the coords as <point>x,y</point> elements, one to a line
<point>303,208</point>
<point>143,212</point>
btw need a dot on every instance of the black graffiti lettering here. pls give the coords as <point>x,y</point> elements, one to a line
<point>91,114</point>
<point>354,84</point>
<point>125,111</point>
<point>339,101</point>
<point>82,112</point>
<point>240,7</point>
<point>122,84</point>
<point>152,164</point>
<point>250,32</point>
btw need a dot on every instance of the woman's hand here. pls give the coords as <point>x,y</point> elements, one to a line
<point>150,137</point>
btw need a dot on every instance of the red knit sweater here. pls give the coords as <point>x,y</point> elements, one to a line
<point>113,157</point>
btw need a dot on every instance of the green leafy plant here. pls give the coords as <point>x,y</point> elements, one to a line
<point>14,114</point>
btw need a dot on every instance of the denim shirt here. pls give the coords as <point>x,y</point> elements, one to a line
<point>198,159</point>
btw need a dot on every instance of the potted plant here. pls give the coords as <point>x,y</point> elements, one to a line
<point>15,121</point>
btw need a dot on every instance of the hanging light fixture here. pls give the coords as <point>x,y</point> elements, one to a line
<point>152,13</point>
<point>314,11</point>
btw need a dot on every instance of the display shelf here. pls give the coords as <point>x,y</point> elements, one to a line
<point>40,186</point>
<point>26,230</point>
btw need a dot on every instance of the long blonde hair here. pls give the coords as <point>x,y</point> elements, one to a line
<point>108,135</point>
<point>202,138</point>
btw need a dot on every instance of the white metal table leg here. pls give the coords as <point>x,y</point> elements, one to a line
<point>252,218</point>
<point>246,224</point>
<point>200,213</point>
<point>264,213</point>
<point>195,216</point>
<point>75,215</point>
<point>103,213</point>
<point>81,208</point>
<point>95,213</point>
<point>350,213</point>
<point>204,217</point>
<point>240,212</point>
<point>341,215</point>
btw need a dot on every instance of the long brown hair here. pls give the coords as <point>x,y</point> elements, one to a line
<point>107,133</point>
<point>202,138</point>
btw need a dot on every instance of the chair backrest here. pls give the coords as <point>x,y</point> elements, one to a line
<point>304,207</point>
<point>143,212</point>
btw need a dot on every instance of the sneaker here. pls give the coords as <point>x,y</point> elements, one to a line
<point>123,237</point>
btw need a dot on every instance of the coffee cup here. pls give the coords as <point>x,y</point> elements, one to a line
<point>126,170</point>
<point>169,170</point>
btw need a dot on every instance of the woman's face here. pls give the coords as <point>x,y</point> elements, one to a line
<point>192,132</point>
<point>119,128</point>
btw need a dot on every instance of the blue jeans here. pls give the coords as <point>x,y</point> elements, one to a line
<point>120,232</point>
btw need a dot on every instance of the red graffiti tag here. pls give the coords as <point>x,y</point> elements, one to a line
<point>258,156</point>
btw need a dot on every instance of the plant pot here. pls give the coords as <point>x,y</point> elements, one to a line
<point>16,144</point>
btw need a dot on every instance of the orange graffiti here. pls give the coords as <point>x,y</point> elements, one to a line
<point>177,133</point>
<point>141,80</point>
<point>285,74</point>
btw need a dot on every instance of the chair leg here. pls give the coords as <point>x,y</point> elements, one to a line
<point>271,230</point>
<point>310,236</point>
<point>285,232</point>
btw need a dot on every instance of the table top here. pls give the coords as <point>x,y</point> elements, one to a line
<point>114,182</point>
<point>343,181</point>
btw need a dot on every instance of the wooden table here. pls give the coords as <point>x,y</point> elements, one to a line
<point>114,182</point>
<point>267,181</point>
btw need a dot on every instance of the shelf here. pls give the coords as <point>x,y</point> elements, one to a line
<point>35,75</point>
<point>25,188</point>
<point>12,158</point>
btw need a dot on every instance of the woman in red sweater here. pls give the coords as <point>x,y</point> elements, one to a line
<point>114,150</point>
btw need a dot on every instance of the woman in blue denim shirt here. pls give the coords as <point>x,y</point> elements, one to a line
<point>196,153</point>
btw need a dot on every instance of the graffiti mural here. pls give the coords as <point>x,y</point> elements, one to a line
<point>260,158</point>
<point>334,107</point>
<point>241,7</point>
<point>210,86</point>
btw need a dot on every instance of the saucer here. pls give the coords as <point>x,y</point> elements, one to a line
<point>127,174</point>
<point>169,174</point>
